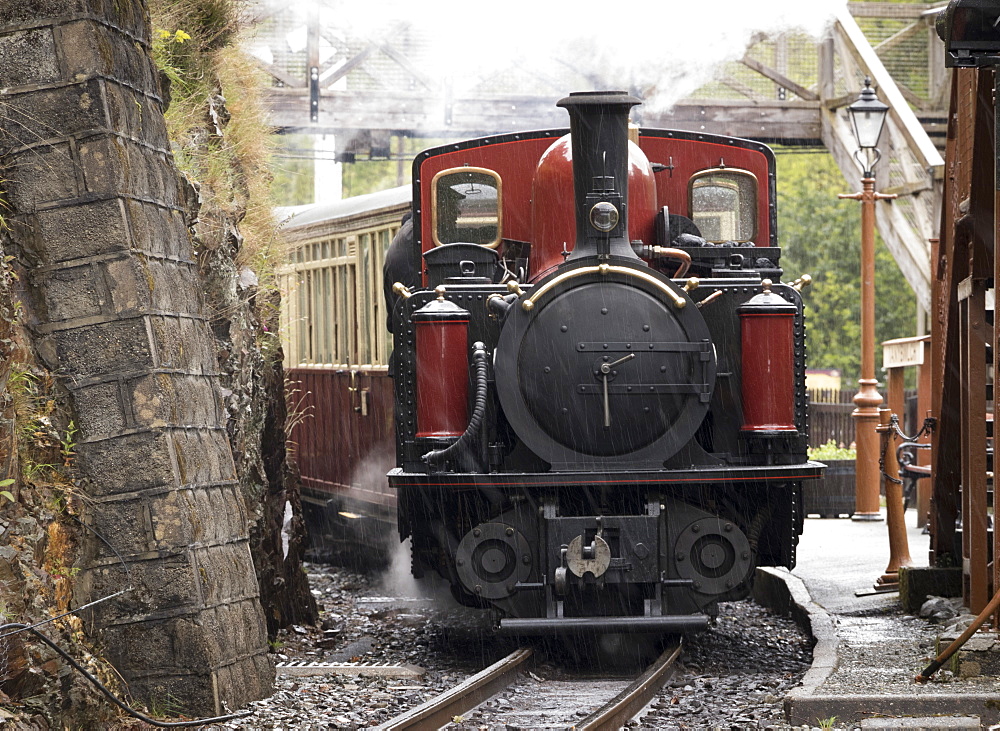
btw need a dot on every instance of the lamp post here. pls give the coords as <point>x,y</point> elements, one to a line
<point>867,118</point>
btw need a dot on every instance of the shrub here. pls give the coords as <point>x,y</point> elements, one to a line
<point>830,451</point>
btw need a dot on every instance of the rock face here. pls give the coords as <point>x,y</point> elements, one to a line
<point>111,292</point>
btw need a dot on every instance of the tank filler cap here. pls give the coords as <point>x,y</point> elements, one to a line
<point>767,301</point>
<point>440,309</point>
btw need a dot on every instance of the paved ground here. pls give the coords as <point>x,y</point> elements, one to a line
<point>839,556</point>
<point>868,650</point>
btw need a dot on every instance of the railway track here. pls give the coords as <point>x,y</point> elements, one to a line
<point>541,702</point>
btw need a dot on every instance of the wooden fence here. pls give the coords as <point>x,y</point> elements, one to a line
<point>830,415</point>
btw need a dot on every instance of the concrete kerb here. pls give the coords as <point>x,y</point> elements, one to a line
<point>781,592</point>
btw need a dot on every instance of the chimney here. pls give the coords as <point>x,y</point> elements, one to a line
<point>599,134</point>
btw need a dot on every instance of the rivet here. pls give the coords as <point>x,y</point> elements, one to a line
<point>509,532</point>
<point>476,532</point>
<point>604,310</point>
<point>564,328</point>
<point>645,328</point>
<point>526,559</point>
<point>460,562</point>
<point>695,528</point>
<point>479,589</point>
<point>729,527</point>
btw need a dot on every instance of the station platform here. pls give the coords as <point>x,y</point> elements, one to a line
<point>868,650</point>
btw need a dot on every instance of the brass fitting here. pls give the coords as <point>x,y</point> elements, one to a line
<point>515,288</point>
<point>802,282</point>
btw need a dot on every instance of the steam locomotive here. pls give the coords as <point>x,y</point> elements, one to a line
<point>599,380</point>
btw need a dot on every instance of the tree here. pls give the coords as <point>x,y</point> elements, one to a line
<point>821,235</point>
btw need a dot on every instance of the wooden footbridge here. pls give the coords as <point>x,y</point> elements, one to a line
<point>790,90</point>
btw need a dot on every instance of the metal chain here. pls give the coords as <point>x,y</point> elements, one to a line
<point>926,428</point>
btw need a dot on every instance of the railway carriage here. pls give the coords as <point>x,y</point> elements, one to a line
<point>599,378</point>
<point>336,363</point>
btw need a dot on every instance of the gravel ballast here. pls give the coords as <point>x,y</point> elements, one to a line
<point>733,676</point>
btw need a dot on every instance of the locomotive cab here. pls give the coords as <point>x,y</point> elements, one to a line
<point>603,452</point>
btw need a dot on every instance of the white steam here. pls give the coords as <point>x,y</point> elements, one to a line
<point>667,48</point>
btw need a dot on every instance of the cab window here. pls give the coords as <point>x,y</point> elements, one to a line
<point>466,207</point>
<point>723,204</point>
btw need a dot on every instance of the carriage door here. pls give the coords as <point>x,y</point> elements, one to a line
<point>367,418</point>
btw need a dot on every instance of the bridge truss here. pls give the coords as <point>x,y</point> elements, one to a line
<point>373,91</point>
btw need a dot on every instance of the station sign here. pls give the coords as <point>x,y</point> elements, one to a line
<point>904,352</point>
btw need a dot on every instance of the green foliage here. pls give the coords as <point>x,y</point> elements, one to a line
<point>821,235</point>
<point>6,493</point>
<point>292,184</point>
<point>369,176</point>
<point>4,207</point>
<point>293,168</point>
<point>67,447</point>
<point>216,122</point>
<point>830,451</point>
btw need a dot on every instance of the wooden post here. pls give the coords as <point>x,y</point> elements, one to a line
<point>897,355</point>
<point>899,548</point>
<point>923,411</point>
<point>972,306</point>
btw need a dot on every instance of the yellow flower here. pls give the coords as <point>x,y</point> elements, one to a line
<point>180,36</point>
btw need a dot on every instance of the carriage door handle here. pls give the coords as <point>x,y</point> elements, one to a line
<point>352,389</point>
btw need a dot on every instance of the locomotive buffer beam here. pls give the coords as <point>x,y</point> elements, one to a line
<point>536,626</point>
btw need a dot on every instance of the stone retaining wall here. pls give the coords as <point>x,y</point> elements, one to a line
<point>97,211</point>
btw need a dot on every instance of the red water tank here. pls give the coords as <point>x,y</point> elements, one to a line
<point>442,335</point>
<point>767,329</point>
<point>553,208</point>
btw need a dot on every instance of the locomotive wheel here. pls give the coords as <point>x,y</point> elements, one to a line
<point>491,559</point>
<point>715,554</point>
<point>467,599</point>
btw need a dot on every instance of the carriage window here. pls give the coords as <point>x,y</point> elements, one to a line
<point>724,204</point>
<point>466,207</point>
<point>332,308</point>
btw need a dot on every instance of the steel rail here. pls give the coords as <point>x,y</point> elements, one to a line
<point>619,710</point>
<point>440,711</point>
